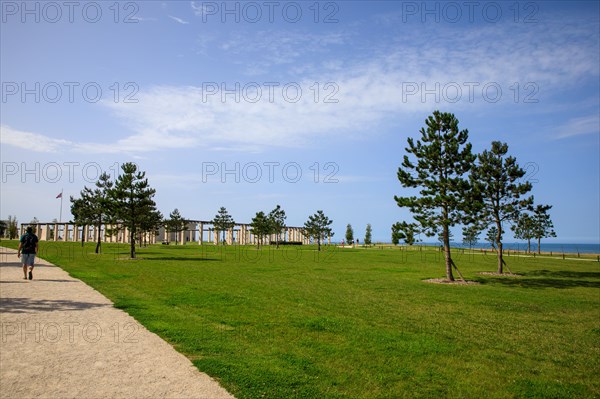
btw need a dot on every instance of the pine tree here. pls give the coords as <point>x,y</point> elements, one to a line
<point>3,227</point>
<point>499,195</point>
<point>318,227</point>
<point>133,202</point>
<point>406,232</point>
<point>492,236</point>
<point>95,207</point>
<point>176,223</point>
<point>542,224</point>
<point>441,158</point>
<point>223,222</point>
<point>12,227</point>
<point>261,227</point>
<point>471,235</point>
<point>276,220</point>
<point>523,229</point>
<point>349,234</point>
<point>368,235</point>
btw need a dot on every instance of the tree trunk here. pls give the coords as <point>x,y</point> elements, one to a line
<point>539,243</point>
<point>132,244</point>
<point>499,245</point>
<point>447,255</point>
<point>319,243</point>
<point>529,245</point>
<point>99,242</point>
<point>82,236</point>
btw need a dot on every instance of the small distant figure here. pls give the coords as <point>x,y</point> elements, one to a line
<point>357,241</point>
<point>28,247</point>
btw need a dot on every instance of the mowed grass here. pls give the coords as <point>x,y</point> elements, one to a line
<point>359,323</point>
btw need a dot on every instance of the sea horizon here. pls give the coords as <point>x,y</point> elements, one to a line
<point>573,248</point>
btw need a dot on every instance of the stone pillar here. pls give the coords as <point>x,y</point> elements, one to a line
<point>200,233</point>
<point>216,236</point>
<point>43,233</point>
<point>243,233</point>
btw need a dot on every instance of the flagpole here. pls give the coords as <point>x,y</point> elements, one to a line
<point>61,206</point>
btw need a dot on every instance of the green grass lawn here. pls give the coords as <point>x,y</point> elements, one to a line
<point>359,323</point>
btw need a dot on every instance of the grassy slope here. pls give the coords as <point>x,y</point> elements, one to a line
<point>359,323</point>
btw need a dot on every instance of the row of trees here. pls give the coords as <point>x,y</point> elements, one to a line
<point>368,234</point>
<point>534,224</point>
<point>9,228</point>
<point>459,187</point>
<point>317,227</point>
<point>128,202</point>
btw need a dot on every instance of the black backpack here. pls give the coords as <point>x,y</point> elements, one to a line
<point>29,241</point>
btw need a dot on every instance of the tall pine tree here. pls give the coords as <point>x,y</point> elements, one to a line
<point>223,222</point>
<point>542,224</point>
<point>318,227</point>
<point>499,193</point>
<point>440,159</point>
<point>134,206</point>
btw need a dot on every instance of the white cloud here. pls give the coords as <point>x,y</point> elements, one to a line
<point>579,126</point>
<point>179,20</point>
<point>31,141</point>
<point>369,88</point>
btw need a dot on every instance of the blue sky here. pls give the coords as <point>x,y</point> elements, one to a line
<point>308,105</point>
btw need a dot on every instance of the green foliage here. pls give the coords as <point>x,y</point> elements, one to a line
<point>261,227</point>
<point>12,227</point>
<point>133,204</point>
<point>318,227</point>
<point>368,235</point>
<point>95,206</point>
<point>499,194</point>
<point>176,223</point>
<point>542,224</point>
<point>406,232</point>
<point>349,234</point>
<point>441,158</point>
<point>222,222</point>
<point>276,219</point>
<point>471,235</point>
<point>492,236</point>
<point>523,229</point>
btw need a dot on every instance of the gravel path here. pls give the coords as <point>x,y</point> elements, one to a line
<point>62,339</point>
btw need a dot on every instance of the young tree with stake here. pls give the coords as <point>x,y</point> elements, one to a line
<point>318,226</point>
<point>499,195</point>
<point>440,159</point>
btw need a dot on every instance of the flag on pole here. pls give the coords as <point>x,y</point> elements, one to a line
<point>59,195</point>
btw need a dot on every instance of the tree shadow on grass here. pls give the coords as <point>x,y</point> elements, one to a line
<point>541,282</point>
<point>181,258</point>
<point>28,305</point>
<point>564,274</point>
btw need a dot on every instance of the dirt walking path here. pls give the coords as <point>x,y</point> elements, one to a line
<point>62,339</point>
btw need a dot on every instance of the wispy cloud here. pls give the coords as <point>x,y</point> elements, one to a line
<point>179,20</point>
<point>364,91</point>
<point>31,141</point>
<point>579,126</point>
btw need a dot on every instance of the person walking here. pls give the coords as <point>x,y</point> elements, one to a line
<point>28,247</point>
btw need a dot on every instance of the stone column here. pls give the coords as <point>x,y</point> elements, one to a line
<point>43,233</point>
<point>200,233</point>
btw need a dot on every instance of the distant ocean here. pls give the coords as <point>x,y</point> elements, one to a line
<point>554,248</point>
